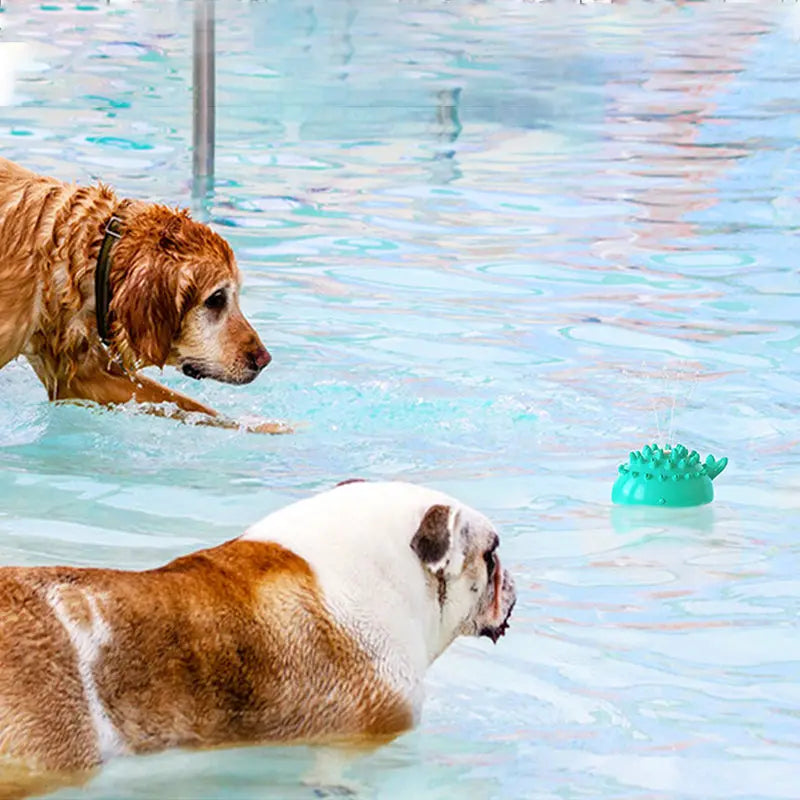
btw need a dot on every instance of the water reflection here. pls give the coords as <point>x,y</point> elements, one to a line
<point>493,247</point>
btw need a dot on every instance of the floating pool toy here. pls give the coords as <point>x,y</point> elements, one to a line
<point>672,477</point>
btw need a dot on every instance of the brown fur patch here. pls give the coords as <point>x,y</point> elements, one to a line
<point>223,646</point>
<point>43,714</point>
<point>162,264</point>
<point>432,539</point>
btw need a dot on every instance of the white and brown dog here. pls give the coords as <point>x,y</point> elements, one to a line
<point>317,626</point>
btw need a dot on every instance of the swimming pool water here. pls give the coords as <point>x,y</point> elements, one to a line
<point>492,248</point>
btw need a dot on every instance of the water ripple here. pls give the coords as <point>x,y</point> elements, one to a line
<point>492,248</point>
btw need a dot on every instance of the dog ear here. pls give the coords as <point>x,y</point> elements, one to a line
<point>173,234</point>
<point>432,540</point>
<point>150,287</point>
<point>146,305</point>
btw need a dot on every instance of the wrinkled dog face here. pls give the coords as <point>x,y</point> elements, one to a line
<point>458,549</point>
<point>175,298</point>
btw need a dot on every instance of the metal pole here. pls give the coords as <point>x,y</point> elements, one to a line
<point>203,128</point>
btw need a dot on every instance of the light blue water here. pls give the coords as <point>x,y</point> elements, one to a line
<point>492,248</point>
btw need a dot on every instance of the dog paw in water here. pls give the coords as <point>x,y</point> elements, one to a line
<point>270,427</point>
<point>326,778</point>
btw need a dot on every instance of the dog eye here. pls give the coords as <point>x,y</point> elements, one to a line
<point>491,561</point>
<point>217,300</point>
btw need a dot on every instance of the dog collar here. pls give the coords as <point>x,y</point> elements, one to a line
<point>102,290</point>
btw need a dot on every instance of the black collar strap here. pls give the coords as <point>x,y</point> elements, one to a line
<point>102,291</point>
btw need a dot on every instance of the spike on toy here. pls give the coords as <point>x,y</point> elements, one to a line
<point>672,477</point>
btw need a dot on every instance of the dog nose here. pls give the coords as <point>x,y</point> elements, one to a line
<point>260,358</point>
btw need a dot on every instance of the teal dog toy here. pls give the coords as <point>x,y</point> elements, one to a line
<point>671,477</point>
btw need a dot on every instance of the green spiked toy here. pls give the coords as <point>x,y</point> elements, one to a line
<point>671,477</point>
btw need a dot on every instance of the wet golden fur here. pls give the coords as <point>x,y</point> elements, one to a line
<point>164,268</point>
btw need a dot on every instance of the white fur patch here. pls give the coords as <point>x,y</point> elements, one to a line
<point>357,539</point>
<point>87,641</point>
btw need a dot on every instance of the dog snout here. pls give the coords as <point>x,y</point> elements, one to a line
<point>259,358</point>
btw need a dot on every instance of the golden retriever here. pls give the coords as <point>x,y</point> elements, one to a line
<point>165,292</point>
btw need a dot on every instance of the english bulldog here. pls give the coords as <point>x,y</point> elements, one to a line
<point>315,626</point>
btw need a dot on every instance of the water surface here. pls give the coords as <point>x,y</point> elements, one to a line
<point>492,248</point>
